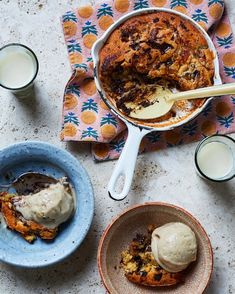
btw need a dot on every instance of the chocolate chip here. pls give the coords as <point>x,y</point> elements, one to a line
<point>137,258</point>
<point>140,238</point>
<point>107,63</point>
<point>124,35</point>
<point>169,62</point>
<point>196,74</point>
<point>153,34</point>
<point>183,26</point>
<point>135,46</point>
<point>143,273</point>
<point>162,47</point>
<point>158,277</point>
<point>145,103</point>
<point>127,32</point>
<point>166,21</point>
<point>148,248</point>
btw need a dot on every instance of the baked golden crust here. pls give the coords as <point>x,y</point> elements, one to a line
<point>151,49</point>
<point>29,230</point>
<point>141,268</point>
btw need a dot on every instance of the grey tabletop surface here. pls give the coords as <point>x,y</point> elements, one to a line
<point>166,175</point>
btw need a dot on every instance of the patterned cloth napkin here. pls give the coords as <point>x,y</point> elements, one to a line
<point>86,117</point>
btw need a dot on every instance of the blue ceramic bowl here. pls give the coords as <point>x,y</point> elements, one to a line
<point>48,159</point>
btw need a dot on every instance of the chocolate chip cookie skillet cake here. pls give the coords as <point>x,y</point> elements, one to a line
<point>150,50</point>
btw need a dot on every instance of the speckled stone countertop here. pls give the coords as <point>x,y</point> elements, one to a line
<point>167,175</point>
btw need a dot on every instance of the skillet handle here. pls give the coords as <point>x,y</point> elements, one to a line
<point>126,163</point>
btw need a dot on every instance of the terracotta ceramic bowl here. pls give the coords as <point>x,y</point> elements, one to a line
<point>120,232</point>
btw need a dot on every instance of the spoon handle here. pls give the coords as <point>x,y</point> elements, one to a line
<point>218,90</point>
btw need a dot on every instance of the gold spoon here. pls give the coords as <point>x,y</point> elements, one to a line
<point>164,99</point>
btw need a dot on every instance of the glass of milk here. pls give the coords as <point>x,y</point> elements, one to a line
<point>18,69</point>
<point>215,158</point>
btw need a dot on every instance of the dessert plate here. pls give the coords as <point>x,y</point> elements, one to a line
<point>124,228</point>
<point>50,160</point>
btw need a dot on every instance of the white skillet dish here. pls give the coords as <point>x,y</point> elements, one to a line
<point>137,130</point>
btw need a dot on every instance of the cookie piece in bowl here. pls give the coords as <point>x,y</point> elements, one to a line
<point>39,213</point>
<point>28,229</point>
<point>141,267</point>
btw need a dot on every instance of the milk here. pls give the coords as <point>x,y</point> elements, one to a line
<point>215,160</point>
<point>18,67</point>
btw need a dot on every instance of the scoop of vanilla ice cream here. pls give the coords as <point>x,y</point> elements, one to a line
<point>174,246</point>
<point>50,207</point>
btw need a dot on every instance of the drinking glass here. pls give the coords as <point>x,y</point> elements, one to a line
<point>214,161</point>
<point>18,69</point>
